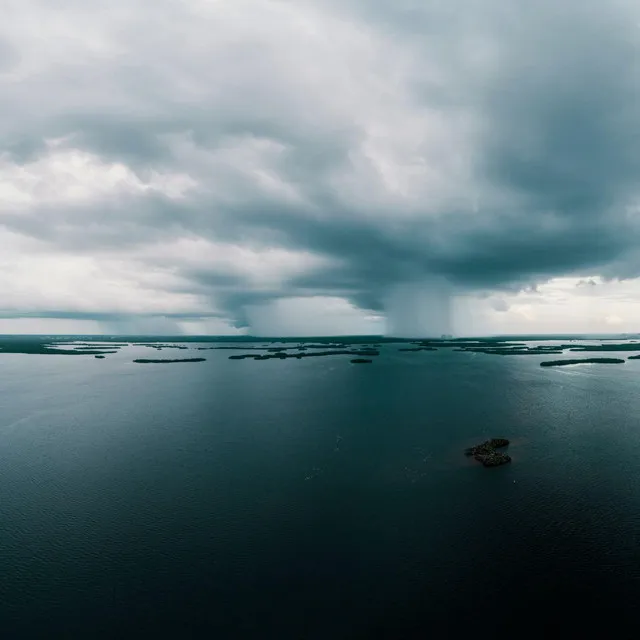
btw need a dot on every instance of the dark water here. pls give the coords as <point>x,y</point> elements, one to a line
<point>211,500</point>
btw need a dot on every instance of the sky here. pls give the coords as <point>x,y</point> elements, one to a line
<point>310,167</point>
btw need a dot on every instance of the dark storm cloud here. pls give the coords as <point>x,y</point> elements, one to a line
<point>549,92</point>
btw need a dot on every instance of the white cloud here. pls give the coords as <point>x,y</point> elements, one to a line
<point>67,176</point>
<point>559,306</point>
<point>36,279</point>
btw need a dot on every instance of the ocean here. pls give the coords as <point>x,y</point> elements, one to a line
<point>315,498</point>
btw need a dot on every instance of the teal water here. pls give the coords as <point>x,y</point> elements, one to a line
<point>315,498</point>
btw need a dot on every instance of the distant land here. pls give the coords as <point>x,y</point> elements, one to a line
<point>360,348</point>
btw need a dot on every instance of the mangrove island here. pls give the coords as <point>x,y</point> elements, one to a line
<point>562,363</point>
<point>486,453</point>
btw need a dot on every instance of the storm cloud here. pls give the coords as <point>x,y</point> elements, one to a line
<point>221,160</point>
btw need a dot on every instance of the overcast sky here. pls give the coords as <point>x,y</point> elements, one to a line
<point>319,166</point>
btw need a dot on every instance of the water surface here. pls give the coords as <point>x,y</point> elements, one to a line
<point>315,498</point>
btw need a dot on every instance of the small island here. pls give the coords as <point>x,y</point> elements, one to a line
<point>147,361</point>
<point>562,363</point>
<point>486,453</point>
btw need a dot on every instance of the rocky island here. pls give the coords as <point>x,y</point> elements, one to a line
<point>486,453</point>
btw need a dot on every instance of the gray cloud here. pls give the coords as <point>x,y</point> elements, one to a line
<point>493,145</point>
